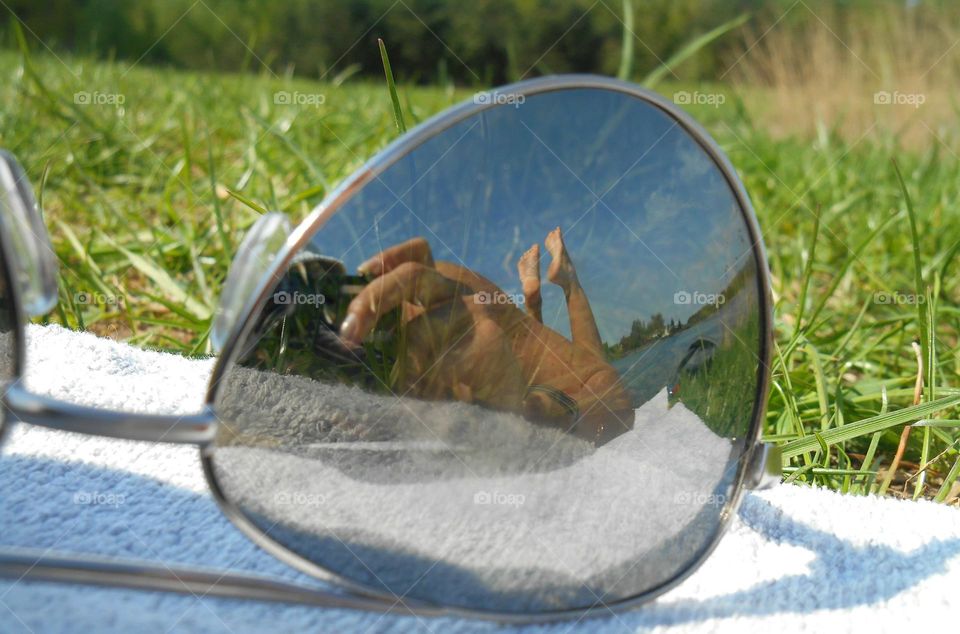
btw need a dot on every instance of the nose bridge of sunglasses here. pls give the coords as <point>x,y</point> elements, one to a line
<point>32,259</point>
<point>248,272</point>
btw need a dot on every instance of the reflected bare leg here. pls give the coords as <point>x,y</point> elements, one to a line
<point>529,269</point>
<point>583,326</point>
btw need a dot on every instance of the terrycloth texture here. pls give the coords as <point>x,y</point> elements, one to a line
<point>795,559</point>
<point>388,493</point>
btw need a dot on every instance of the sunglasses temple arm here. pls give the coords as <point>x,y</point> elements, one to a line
<point>27,407</point>
<point>764,470</point>
<point>42,566</point>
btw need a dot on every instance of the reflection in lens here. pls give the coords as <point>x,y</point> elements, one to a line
<point>513,373</point>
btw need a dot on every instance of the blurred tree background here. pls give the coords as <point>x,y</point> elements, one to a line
<point>476,42</point>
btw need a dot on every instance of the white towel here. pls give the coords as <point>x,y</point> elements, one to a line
<point>795,560</point>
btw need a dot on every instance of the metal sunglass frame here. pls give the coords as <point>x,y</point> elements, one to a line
<point>759,465</point>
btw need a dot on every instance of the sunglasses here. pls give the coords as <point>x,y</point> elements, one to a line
<point>514,367</point>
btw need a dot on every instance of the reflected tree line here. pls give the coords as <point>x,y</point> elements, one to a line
<point>643,332</point>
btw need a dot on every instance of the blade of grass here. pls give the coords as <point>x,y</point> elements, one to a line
<point>823,448</point>
<point>923,318</point>
<point>868,459</point>
<point>807,272</point>
<point>937,422</point>
<point>217,209</point>
<point>919,286</point>
<point>870,425</point>
<point>825,471</point>
<point>391,87</point>
<point>948,481</point>
<point>626,45</point>
<point>821,382</point>
<point>691,49</point>
<point>931,363</point>
<point>307,194</point>
<point>874,442</point>
<point>799,472</point>
<point>260,209</point>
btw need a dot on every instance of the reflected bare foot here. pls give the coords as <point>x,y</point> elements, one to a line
<point>528,266</point>
<point>561,271</point>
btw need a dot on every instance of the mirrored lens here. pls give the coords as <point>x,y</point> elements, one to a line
<point>516,371</point>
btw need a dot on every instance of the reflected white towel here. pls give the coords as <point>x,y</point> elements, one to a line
<point>795,560</point>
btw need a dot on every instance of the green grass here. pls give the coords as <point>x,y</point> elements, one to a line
<point>146,203</point>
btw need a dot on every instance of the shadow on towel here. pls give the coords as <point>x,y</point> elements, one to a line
<point>840,577</point>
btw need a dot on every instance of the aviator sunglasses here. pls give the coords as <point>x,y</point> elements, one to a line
<point>461,384</point>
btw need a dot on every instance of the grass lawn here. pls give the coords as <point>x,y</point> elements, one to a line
<point>139,205</point>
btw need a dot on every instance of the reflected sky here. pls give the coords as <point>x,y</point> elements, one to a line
<point>644,211</point>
